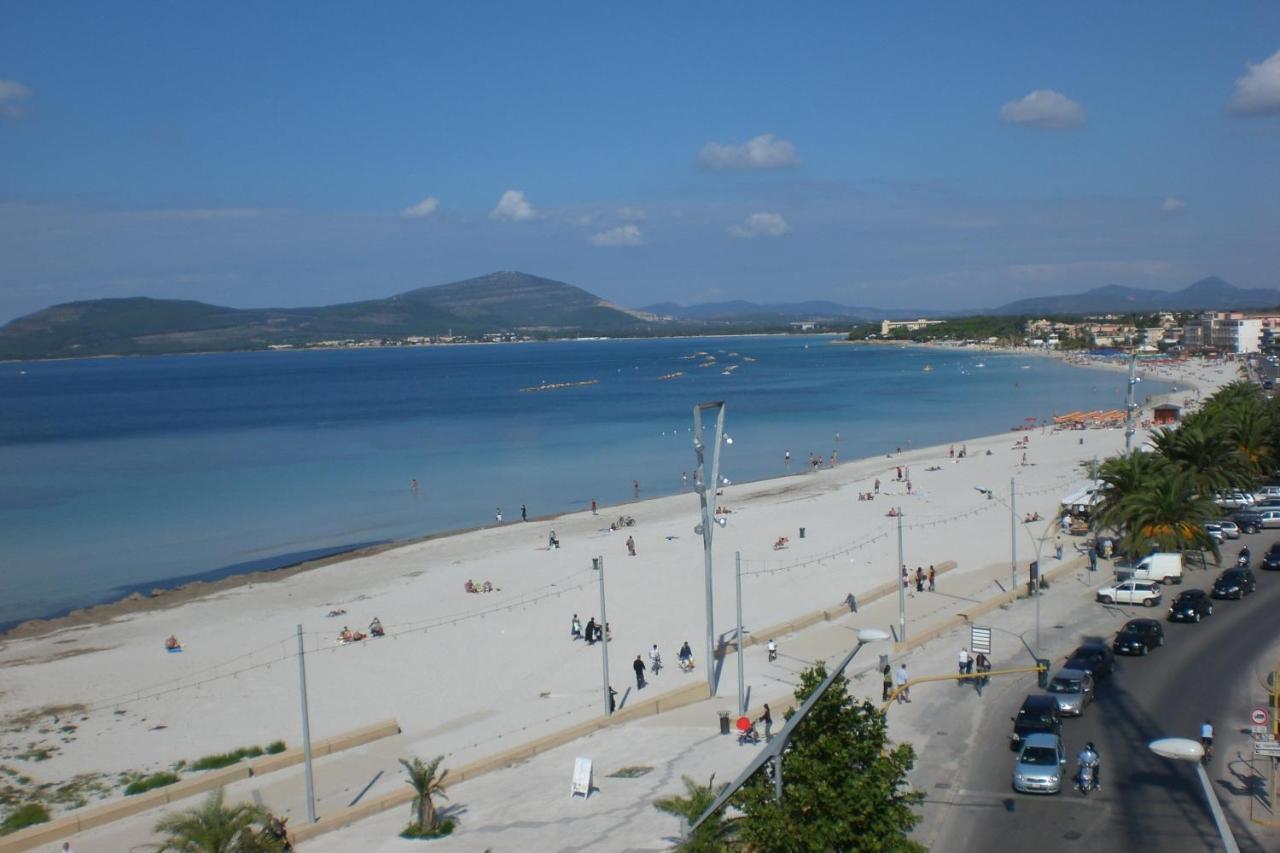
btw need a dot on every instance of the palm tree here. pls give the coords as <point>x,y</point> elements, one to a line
<point>426,786</point>
<point>1169,514</point>
<point>213,827</point>
<point>1122,477</point>
<point>1205,451</point>
<point>712,835</point>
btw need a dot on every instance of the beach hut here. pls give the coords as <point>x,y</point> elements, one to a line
<point>1166,414</point>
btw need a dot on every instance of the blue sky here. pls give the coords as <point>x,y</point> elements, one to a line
<point>918,155</point>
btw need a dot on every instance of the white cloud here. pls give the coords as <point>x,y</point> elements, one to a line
<point>762,152</point>
<point>1173,205</point>
<point>1043,108</point>
<point>1258,91</point>
<point>633,214</point>
<point>426,207</point>
<point>513,206</point>
<point>623,235</point>
<point>13,98</point>
<point>761,224</point>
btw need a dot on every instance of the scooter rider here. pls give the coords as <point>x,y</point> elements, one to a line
<point>1206,736</point>
<point>1089,758</point>
<point>773,650</point>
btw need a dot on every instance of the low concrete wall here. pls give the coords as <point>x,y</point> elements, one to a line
<point>687,695</point>
<point>85,819</point>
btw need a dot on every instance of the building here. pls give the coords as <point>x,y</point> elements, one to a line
<point>887,326</point>
<point>1227,331</point>
<point>1166,414</point>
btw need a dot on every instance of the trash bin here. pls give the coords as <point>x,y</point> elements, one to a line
<point>724,722</point>
<point>801,532</point>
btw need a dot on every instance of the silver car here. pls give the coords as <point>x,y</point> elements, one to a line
<point>1073,688</point>
<point>1040,765</point>
<point>1229,528</point>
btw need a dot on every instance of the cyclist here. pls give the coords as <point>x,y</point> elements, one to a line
<point>1206,737</point>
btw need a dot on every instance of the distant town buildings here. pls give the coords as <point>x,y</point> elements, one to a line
<point>887,326</point>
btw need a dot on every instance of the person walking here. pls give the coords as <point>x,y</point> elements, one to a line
<point>919,579</point>
<point>767,719</point>
<point>1057,548</point>
<point>877,485</point>
<point>655,660</point>
<point>932,576</point>
<point>631,546</point>
<point>966,662</point>
<point>900,681</point>
<point>575,628</point>
<point>888,683</point>
<point>498,515</point>
<point>639,667</point>
<point>906,578</point>
<point>593,507</point>
<point>524,513</point>
<point>1093,559</point>
<point>612,699</point>
<point>591,631</point>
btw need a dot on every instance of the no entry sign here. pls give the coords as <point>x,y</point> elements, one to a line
<point>1260,716</point>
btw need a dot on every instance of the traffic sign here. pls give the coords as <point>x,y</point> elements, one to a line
<point>1260,716</point>
<point>1260,731</point>
<point>1267,747</point>
<point>980,640</point>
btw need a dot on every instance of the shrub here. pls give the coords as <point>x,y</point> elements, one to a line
<point>443,828</point>
<point>225,759</point>
<point>276,746</point>
<point>28,815</point>
<point>146,783</point>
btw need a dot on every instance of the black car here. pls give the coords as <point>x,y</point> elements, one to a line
<point>1137,637</point>
<point>1248,520</point>
<point>1191,605</point>
<point>1235,583</point>
<point>1039,713</point>
<point>1271,560</point>
<point>1094,658</point>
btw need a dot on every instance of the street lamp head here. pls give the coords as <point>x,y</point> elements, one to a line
<point>697,531</point>
<point>722,521</point>
<point>871,635</point>
<point>1178,748</point>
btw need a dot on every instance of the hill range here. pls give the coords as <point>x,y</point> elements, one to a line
<point>507,302</point>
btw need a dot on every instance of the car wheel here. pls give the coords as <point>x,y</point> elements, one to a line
<point>1144,651</point>
<point>1106,599</point>
<point>1161,643</point>
<point>1197,617</point>
<point>1150,602</point>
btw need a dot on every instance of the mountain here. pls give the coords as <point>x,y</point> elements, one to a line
<point>502,301</point>
<point>1206,294</point>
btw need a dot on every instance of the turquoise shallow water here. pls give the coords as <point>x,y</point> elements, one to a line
<point>124,474</point>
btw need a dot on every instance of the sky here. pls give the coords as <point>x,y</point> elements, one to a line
<point>895,155</point>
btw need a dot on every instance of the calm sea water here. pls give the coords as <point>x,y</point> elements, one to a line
<point>125,474</point>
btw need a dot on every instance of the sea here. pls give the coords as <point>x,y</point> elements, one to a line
<point>127,474</point>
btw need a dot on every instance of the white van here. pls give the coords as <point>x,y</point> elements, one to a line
<point>1164,568</point>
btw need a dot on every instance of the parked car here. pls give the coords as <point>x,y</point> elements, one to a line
<point>1269,491</point>
<point>1235,583</point>
<point>1039,714</point>
<point>1229,528</point>
<point>1094,658</point>
<point>1146,593</point>
<point>1073,688</point>
<point>1215,532</point>
<point>1253,520</point>
<point>1233,500</point>
<point>1191,605</point>
<point>1137,637</point>
<point>1163,567</point>
<point>1271,559</point>
<point>1040,765</point>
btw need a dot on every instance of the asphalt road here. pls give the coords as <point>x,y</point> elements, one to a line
<point>1147,802</point>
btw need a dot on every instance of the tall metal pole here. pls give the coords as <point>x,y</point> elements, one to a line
<point>1219,819</point>
<point>1013,539</point>
<point>1129,405</point>
<point>742,678</point>
<point>306,730</point>
<point>902,588</point>
<point>604,634</point>
<point>707,527</point>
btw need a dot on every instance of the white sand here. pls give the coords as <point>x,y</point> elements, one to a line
<point>458,670</point>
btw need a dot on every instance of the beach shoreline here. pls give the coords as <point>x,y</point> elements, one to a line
<point>174,592</point>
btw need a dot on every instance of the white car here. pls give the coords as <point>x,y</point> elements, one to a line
<point>1146,593</point>
<point>1234,500</point>
<point>1268,491</point>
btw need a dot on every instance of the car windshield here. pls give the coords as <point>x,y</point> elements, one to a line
<point>1189,596</point>
<point>1232,577</point>
<point>1033,717</point>
<point>1040,756</point>
<point>1064,685</point>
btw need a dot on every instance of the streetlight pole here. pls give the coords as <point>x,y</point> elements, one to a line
<point>902,588</point>
<point>1013,540</point>
<point>1185,749</point>
<point>707,527</point>
<point>742,678</point>
<point>598,565</point>
<point>1129,404</point>
<point>306,730</point>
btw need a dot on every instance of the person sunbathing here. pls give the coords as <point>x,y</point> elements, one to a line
<point>375,628</point>
<point>488,587</point>
<point>345,635</point>
<point>172,643</point>
<point>470,586</point>
<point>781,543</point>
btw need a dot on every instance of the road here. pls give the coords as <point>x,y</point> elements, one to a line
<point>1147,802</point>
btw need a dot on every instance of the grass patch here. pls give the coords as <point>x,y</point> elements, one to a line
<point>629,772</point>
<point>25,719</point>
<point>36,753</point>
<point>445,827</point>
<point>28,815</point>
<point>226,759</point>
<point>146,783</point>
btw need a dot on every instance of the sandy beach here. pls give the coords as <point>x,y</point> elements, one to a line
<point>468,674</point>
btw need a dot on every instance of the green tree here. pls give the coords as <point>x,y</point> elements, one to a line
<point>214,827</point>
<point>427,785</point>
<point>845,788</point>
<point>1169,515</point>
<point>1120,478</point>
<point>712,835</point>
<point>1204,451</point>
